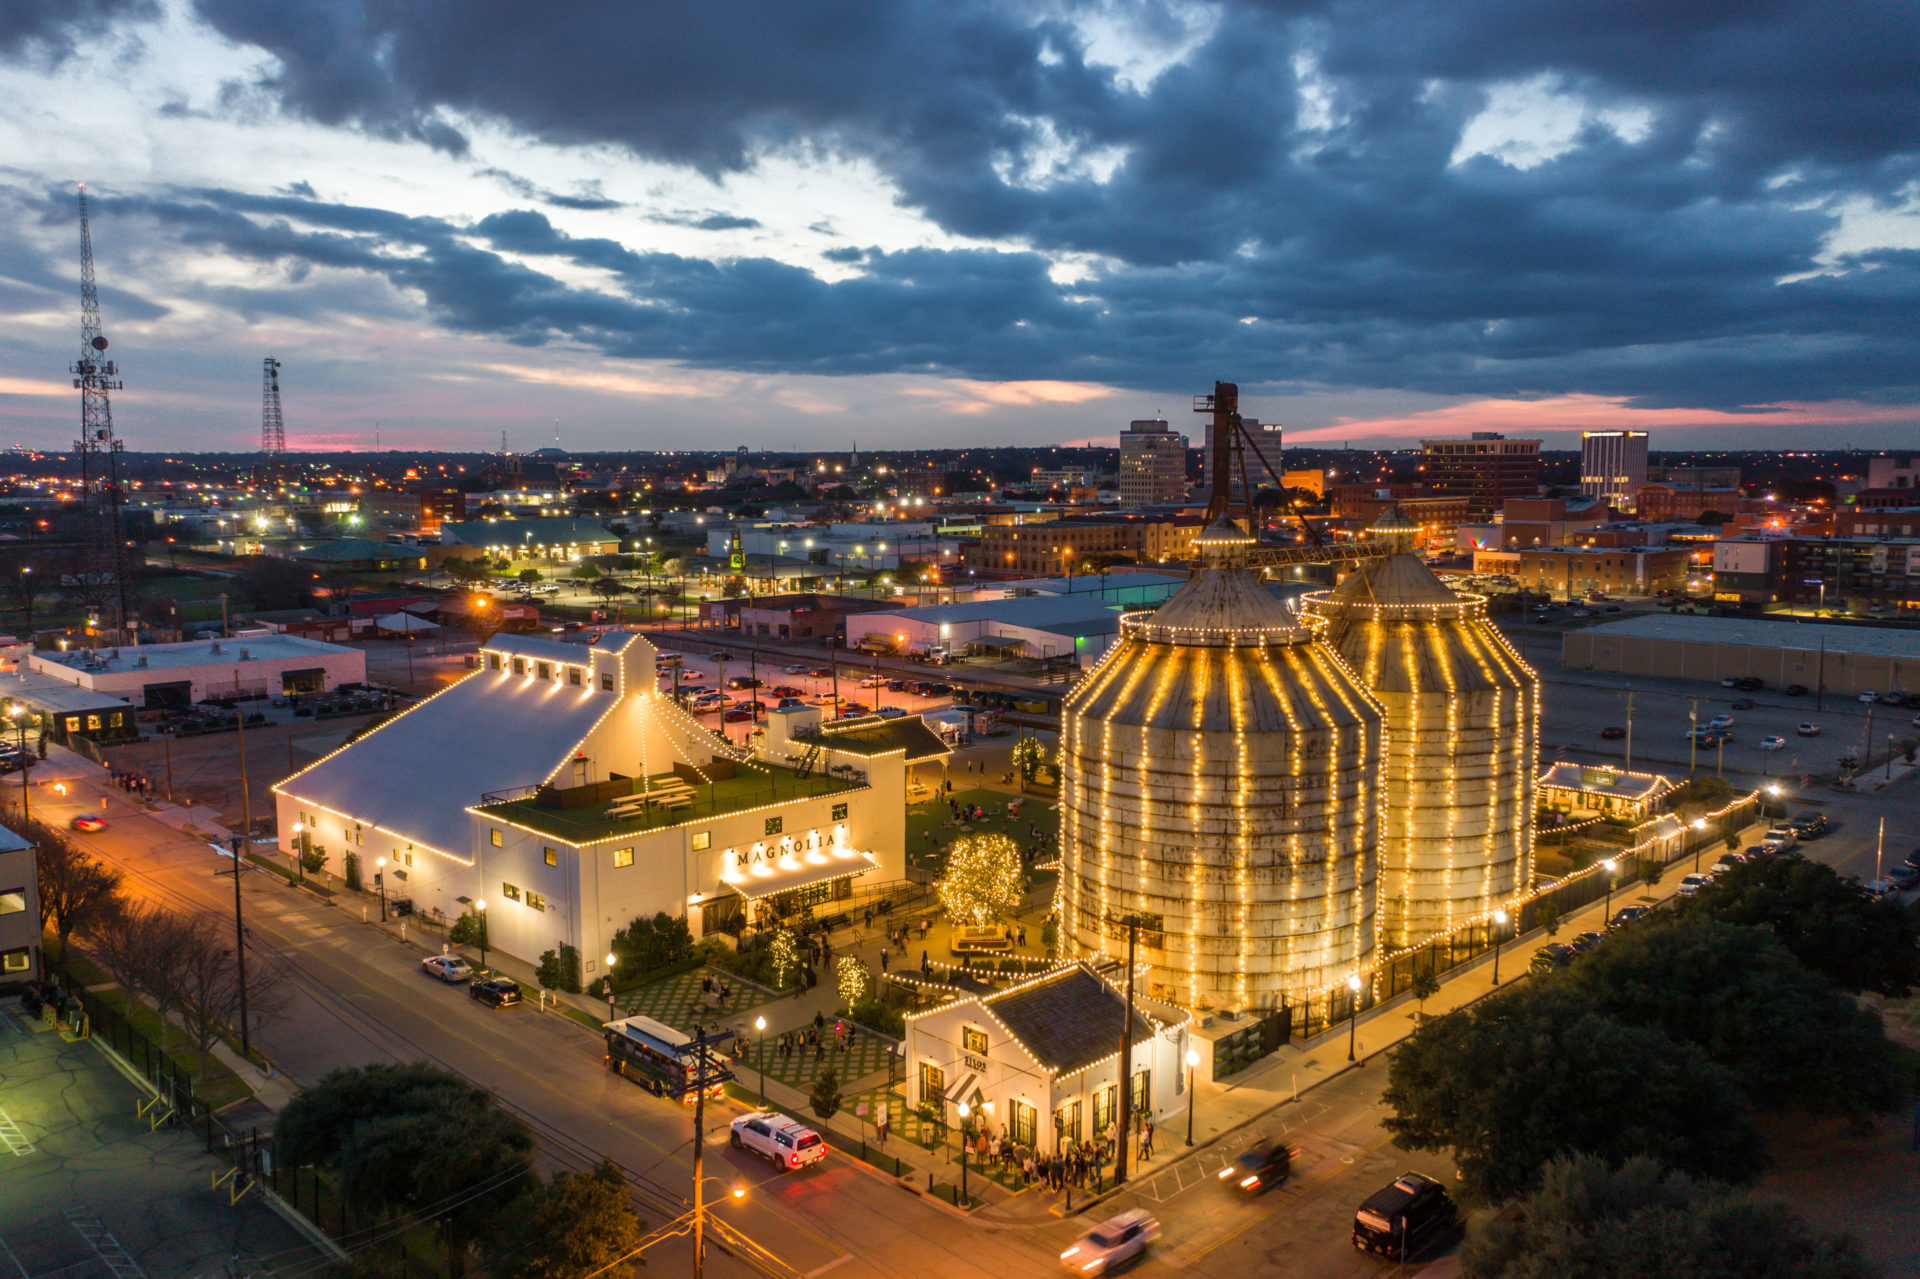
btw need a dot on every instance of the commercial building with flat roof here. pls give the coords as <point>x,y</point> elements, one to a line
<point>1486,469</point>
<point>154,676</point>
<point>1836,659</point>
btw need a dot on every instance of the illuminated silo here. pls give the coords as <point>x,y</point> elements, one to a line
<point>1463,714</point>
<point>1220,782</point>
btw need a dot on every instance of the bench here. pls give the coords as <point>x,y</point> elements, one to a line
<point>830,922</point>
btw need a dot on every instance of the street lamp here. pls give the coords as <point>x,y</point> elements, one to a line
<point>1499,922</point>
<point>481,907</point>
<point>299,853</point>
<point>1607,910</point>
<point>1353,1012</point>
<point>760,1025</point>
<point>380,882</point>
<point>612,1015</point>
<point>1193,1060</point>
<point>965,1110</point>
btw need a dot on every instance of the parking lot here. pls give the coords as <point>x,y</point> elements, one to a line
<point>854,683</point>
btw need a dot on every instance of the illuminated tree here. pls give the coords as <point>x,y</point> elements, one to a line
<point>854,978</point>
<point>1029,757</point>
<point>983,876</point>
<point>782,954</point>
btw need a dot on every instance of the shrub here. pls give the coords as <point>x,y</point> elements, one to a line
<point>352,876</point>
<point>875,1015</point>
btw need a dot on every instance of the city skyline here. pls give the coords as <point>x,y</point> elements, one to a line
<point>960,225</point>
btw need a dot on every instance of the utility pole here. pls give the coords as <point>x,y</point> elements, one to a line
<point>239,846</point>
<point>1123,1082</point>
<point>704,1074</point>
<point>1693,737</point>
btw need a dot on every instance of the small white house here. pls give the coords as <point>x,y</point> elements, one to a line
<point>1040,1061</point>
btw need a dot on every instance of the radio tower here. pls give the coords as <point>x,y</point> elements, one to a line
<point>273,431</point>
<point>102,571</point>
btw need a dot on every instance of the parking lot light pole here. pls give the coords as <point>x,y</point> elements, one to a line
<point>1193,1102</point>
<point>380,882</point>
<point>612,1013</point>
<point>760,1025</point>
<point>1607,910</point>
<point>1499,922</point>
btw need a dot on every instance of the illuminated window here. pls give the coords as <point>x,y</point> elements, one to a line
<point>536,901</point>
<point>702,839</point>
<point>839,813</point>
<point>974,1040</point>
<point>606,683</point>
<point>16,961</point>
<point>12,900</point>
<point>553,856</point>
<point>774,825</point>
<point>519,666</point>
<point>622,857</point>
<point>543,670</point>
<point>93,723</point>
<point>573,677</point>
<point>510,892</point>
<point>494,834</point>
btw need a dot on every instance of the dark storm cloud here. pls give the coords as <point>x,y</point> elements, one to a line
<point>51,29</point>
<point>1358,250</point>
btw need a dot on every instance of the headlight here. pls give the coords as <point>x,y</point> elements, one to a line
<point>1069,1252</point>
<point>1226,1172</point>
<point>1249,1183</point>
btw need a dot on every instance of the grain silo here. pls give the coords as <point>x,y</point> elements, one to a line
<point>1463,714</point>
<point>1220,774</point>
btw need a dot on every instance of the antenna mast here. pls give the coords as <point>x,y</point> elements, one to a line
<point>102,572</point>
<point>273,429</point>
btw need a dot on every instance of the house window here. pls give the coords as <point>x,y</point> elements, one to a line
<point>116,720</point>
<point>553,856</point>
<point>1021,1124</point>
<point>839,813</point>
<point>519,666</point>
<point>573,678</point>
<point>536,901</point>
<point>510,892</point>
<point>774,825</point>
<point>1104,1102</point>
<point>408,857</point>
<point>702,839</point>
<point>494,835</point>
<point>543,670</point>
<point>622,857</point>
<point>12,900</point>
<point>93,723</point>
<point>16,961</point>
<point>606,683</point>
<point>73,723</point>
<point>933,1083</point>
<point>493,661</point>
<point>1142,1086</point>
<point>974,1040</point>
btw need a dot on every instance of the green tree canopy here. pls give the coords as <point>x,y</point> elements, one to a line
<point>647,944</point>
<point>1640,1221</point>
<point>1855,941</point>
<point>1535,1072</point>
<point>411,1138</point>
<point>1792,1038</point>
<point>574,1225</point>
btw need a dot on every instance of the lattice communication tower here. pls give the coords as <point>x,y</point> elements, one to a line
<point>102,545</point>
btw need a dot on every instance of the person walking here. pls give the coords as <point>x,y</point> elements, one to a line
<point>1146,1140</point>
<point>883,960</point>
<point>880,1122</point>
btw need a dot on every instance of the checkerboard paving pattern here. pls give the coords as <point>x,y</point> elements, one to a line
<point>676,1000</point>
<point>863,1056</point>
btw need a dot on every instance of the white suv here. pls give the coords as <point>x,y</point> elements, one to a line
<point>787,1142</point>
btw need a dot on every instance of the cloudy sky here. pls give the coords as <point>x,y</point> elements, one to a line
<point>943,222</point>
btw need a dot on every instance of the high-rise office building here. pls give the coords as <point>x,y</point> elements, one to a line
<point>1153,463</point>
<point>1613,465</point>
<point>1486,469</point>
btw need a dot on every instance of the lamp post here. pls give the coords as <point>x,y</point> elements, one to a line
<point>1699,824</point>
<point>1607,910</point>
<point>965,1110</point>
<point>380,882</point>
<point>1499,922</point>
<point>612,1014</point>
<point>1353,1013</point>
<point>760,1059</point>
<point>480,907</point>
<point>1193,1102</point>
<point>14,712</point>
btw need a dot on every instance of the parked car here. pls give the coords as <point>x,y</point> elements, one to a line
<point>1781,837</point>
<point>1550,957</point>
<point>1913,859</point>
<point>1581,612</point>
<point>719,657</point>
<point>739,682</point>
<point>1585,942</point>
<point>891,712</point>
<point>498,992</point>
<point>874,681</point>
<point>1724,863</point>
<point>1795,690</point>
<point>1810,825</point>
<point>1879,888</point>
<point>1869,697</point>
<point>1808,730</point>
<point>1624,916</point>
<point>1775,743</point>
<point>89,822</point>
<point>1720,721</point>
<point>1613,732</point>
<point>448,968</point>
<point>1402,1220</point>
<point>1743,703</point>
<point>1115,1240</point>
<point>736,715</point>
<point>1903,876</point>
<point>799,670</point>
<point>1690,885</point>
<point>1749,683</point>
<point>1260,1167</point>
<point>787,1143</point>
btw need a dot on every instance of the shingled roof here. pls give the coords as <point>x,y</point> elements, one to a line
<point>1068,1020</point>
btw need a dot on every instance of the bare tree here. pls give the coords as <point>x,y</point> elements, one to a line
<point>206,985</point>
<point>141,946</point>
<point>75,890</point>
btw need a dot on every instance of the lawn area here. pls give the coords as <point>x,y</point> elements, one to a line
<point>931,828</point>
<point>753,786</point>
<point>675,1000</point>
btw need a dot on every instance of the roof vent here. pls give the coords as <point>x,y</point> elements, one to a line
<point>140,662</point>
<point>216,646</point>
<point>244,655</point>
